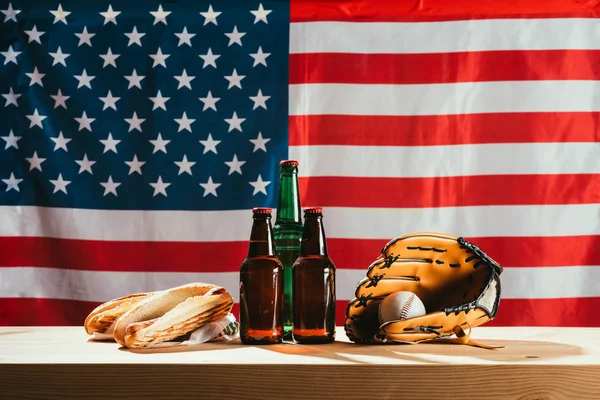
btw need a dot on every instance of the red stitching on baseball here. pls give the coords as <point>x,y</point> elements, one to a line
<point>406,307</point>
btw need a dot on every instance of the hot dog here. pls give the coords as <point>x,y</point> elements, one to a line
<point>172,313</point>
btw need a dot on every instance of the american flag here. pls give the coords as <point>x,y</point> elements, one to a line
<point>137,136</point>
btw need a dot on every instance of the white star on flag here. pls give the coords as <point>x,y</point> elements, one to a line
<point>184,123</point>
<point>12,182</point>
<point>235,165</point>
<point>10,55</point>
<point>60,142</point>
<point>10,14</point>
<point>85,122</point>
<point>260,57</point>
<point>110,186</point>
<point>135,122</point>
<point>210,16</point>
<point>85,37</point>
<point>210,144</point>
<point>60,99</point>
<point>11,140</point>
<point>60,184</point>
<point>159,144</point>
<point>159,101</point>
<point>184,80</point>
<point>261,14</point>
<point>209,58</point>
<point>36,119</point>
<point>110,15</point>
<point>36,77</point>
<point>209,101</point>
<point>109,58</point>
<point>159,58</point>
<point>134,80</point>
<point>35,162</point>
<point>235,79</point>
<point>259,100</point>
<point>185,37</point>
<point>60,15</point>
<point>260,185</point>
<point>160,15</point>
<point>210,187</point>
<point>259,143</point>
<point>85,165</point>
<point>109,101</point>
<point>235,122</point>
<point>110,144</point>
<point>34,35</point>
<point>160,187</point>
<point>59,57</point>
<point>11,97</point>
<point>135,37</point>
<point>84,79</point>
<point>235,36</point>
<point>185,165</point>
<point>135,165</point>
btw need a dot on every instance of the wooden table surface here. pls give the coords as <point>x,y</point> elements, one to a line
<point>536,363</point>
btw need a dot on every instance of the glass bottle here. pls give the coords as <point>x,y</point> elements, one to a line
<point>314,284</point>
<point>288,233</point>
<point>261,285</point>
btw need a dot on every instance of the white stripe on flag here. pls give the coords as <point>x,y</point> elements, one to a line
<point>341,222</point>
<point>444,98</point>
<point>445,37</point>
<point>56,283</point>
<point>475,221</point>
<point>455,160</point>
<point>517,283</point>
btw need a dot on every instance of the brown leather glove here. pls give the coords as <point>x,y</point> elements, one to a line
<point>458,284</point>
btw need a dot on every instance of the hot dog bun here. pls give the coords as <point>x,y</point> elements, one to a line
<point>171,313</point>
<point>101,319</point>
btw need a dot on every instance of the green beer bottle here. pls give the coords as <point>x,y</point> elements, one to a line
<point>288,234</point>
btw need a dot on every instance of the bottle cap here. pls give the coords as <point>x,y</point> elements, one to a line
<point>288,163</point>
<point>261,211</point>
<point>313,211</point>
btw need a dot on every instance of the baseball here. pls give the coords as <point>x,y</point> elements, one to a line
<point>400,306</point>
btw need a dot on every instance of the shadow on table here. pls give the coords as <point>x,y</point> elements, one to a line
<point>514,351</point>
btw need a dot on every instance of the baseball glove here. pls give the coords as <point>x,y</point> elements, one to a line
<point>458,284</point>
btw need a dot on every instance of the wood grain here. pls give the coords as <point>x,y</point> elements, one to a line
<point>298,382</point>
<point>536,363</point>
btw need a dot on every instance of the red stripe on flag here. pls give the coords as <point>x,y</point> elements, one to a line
<point>452,191</point>
<point>435,10</point>
<point>444,67</point>
<point>122,255</point>
<point>512,312</point>
<point>191,257</point>
<point>508,251</point>
<point>579,312</point>
<point>360,130</point>
<point>43,312</point>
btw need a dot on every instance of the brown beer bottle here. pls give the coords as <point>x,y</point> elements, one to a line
<point>261,285</point>
<point>313,277</point>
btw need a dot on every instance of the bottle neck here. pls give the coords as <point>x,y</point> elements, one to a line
<point>313,237</point>
<point>261,238</point>
<point>288,208</point>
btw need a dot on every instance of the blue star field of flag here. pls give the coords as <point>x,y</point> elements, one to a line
<point>143,105</point>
